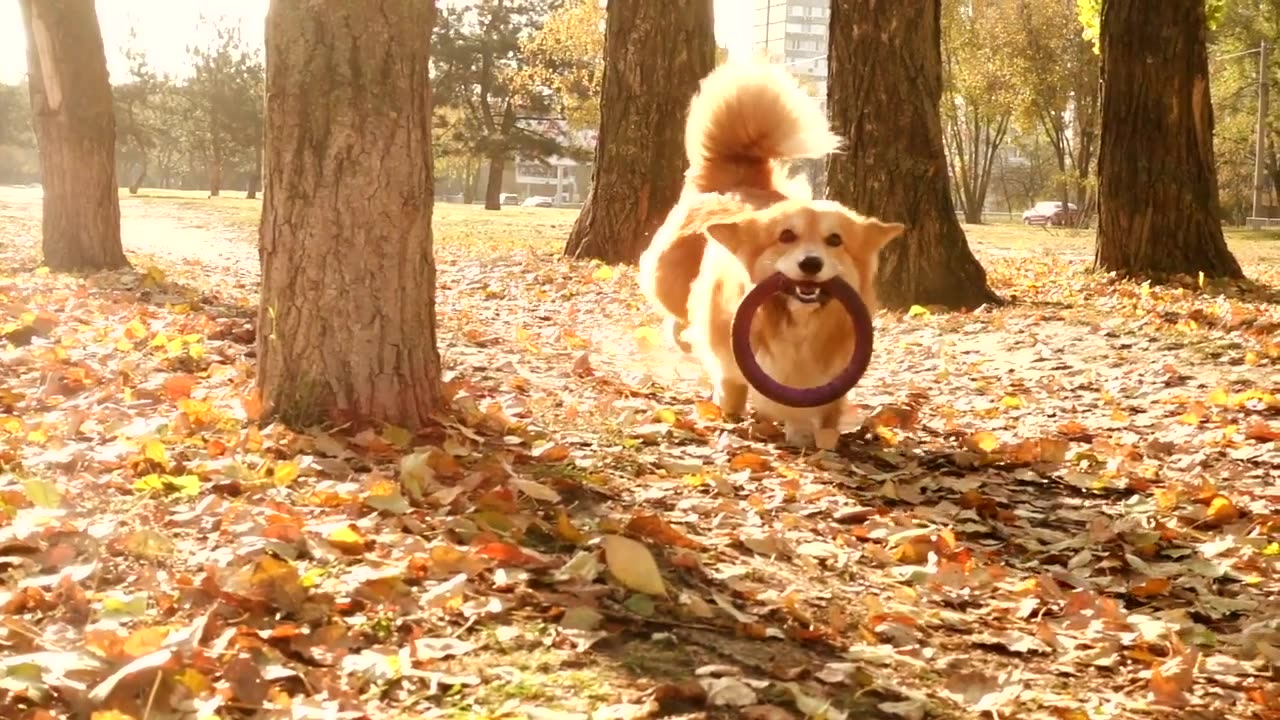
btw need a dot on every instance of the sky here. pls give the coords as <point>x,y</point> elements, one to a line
<point>166,27</point>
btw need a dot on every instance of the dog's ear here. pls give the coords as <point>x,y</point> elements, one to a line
<point>733,233</point>
<point>881,233</point>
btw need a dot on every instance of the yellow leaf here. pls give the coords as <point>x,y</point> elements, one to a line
<point>285,473</point>
<point>648,336</point>
<point>347,538</point>
<point>1011,401</point>
<point>195,351</point>
<point>154,451</point>
<point>604,272</point>
<point>632,565</point>
<point>397,436</point>
<point>918,311</point>
<point>667,415</point>
<point>1218,397</point>
<point>42,493</point>
<point>566,529</point>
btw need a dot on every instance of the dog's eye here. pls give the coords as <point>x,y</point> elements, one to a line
<point>833,240</point>
<point>787,236</point>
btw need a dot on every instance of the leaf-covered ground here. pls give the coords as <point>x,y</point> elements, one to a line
<point>1066,509</point>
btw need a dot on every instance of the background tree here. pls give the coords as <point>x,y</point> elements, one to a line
<point>136,123</point>
<point>566,57</point>
<point>1157,185</point>
<point>884,90</point>
<point>656,53</point>
<point>1236,31</point>
<point>74,121</point>
<point>1058,70</point>
<point>347,319</point>
<point>225,95</point>
<point>982,89</point>
<point>478,69</point>
<point>19,161</point>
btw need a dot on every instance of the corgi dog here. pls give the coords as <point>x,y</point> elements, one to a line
<point>741,218</point>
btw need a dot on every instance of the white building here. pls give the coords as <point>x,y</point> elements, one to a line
<point>794,33</point>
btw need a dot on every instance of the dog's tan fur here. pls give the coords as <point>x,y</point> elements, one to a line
<point>740,219</point>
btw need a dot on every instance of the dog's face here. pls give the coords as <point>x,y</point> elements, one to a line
<point>810,242</point>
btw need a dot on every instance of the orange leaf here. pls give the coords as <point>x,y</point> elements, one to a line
<point>177,387</point>
<point>749,461</point>
<point>1262,430</point>
<point>1222,510</point>
<point>252,404</point>
<point>655,528</point>
<point>983,441</point>
<point>1151,587</point>
<point>708,411</point>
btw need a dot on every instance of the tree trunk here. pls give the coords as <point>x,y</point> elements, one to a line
<point>1157,182</point>
<point>656,53</point>
<point>493,186</point>
<point>884,90</point>
<point>255,178</point>
<point>140,178</point>
<point>473,181</point>
<point>347,318</point>
<point>215,174</point>
<point>74,119</point>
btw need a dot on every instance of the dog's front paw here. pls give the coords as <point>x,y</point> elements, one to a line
<point>799,435</point>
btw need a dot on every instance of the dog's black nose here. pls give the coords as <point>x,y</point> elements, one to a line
<point>811,265</point>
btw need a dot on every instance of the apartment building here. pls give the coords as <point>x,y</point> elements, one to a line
<point>794,32</point>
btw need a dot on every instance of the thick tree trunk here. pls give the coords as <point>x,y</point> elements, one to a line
<point>493,186</point>
<point>74,120</point>
<point>884,92</point>
<point>656,53</point>
<point>1157,183</point>
<point>347,319</point>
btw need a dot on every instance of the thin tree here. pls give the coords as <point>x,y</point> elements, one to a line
<point>347,319</point>
<point>884,91</point>
<point>1157,182</point>
<point>75,124</point>
<point>656,53</point>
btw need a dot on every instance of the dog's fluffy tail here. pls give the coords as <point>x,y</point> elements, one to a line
<point>745,116</point>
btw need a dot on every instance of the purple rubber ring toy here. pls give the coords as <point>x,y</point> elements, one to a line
<point>805,397</point>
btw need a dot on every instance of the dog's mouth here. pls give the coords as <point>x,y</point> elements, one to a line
<point>808,293</point>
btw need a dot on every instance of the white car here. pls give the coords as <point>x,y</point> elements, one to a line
<point>537,201</point>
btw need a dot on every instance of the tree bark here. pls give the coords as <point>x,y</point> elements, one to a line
<point>1157,182</point>
<point>884,91</point>
<point>656,53</point>
<point>74,119</point>
<point>347,319</point>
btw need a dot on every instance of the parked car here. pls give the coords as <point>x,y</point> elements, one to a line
<point>508,199</point>
<point>1050,212</point>
<point>537,201</point>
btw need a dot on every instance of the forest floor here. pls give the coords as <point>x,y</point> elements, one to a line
<point>1065,509</point>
